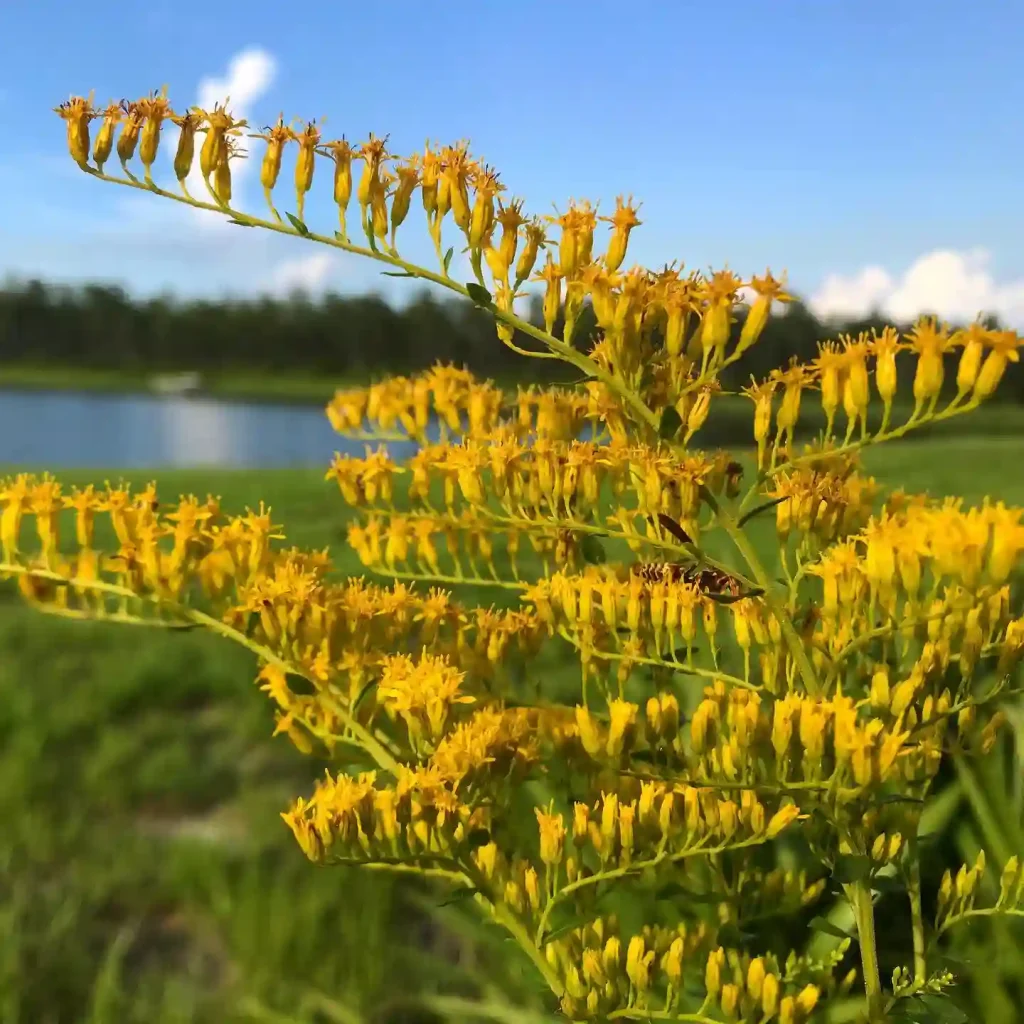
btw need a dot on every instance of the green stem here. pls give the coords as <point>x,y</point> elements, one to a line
<point>859,896</point>
<point>676,666</point>
<point>571,355</point>
<point>917,916</point>
<point>505,917</point>
<point>636,868</point>
<point>683,1018</point>
<point>432,577</point>
<point>882,436</point>
<point>190,615</point>
<point>968,915</point>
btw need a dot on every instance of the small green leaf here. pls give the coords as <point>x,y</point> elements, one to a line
<point>673,890</point>
<point>887,883</point>
<point>448,259</point>
<point>463,892</point>
<point>942,1010</point>
<point>680,653</point>
<point>362,693</point>
<point>351,758</point>
<point>670,890</point>
<point>240,223</point>
<point>567,922</point>
<point>478,837</point>
<point>670,423</point>
<point>823,924</point>
<point>340,237</point>
<point>297,224</point>
<point>592,550</point>
<point>746,517</point>
<point>852,868</point>
<point>732,935</point>
<point>480,295</point>
<point>396,273</point>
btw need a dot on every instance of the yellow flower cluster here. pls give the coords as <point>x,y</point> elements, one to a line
<point>843,376</point>
<point>724,696</point>
<point>958,896</point>
<point>625,617</point>
<point>677,821</point>
<point>542,478</point>
<point>604,971</point>
<point>429,812</point>
<point>461,405</point>
<point>159,550</point>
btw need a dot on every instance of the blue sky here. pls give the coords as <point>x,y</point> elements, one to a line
<point>874,149</point>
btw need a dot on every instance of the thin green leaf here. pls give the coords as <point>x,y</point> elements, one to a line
<point>887,884</point>
<point>297,224</point>
<point>448,259</point>
<point>240,223</point>
<point>362,693</point>
<point>747,516</point>
<point>350,758</point>
<point>463,892</point>
<point>732,935</point>
<point>823,924</point>
<point>396,273</point>
<point>852,868</point>
<point>568,924</point>
<point>478,293</point>
<point>672,890</point>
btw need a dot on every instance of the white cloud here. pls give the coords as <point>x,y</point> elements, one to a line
<point>309,274</point>
<point>956,286</point>
<point>250,74</point>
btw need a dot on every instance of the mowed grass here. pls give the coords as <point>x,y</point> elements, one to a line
<point>144,872</point>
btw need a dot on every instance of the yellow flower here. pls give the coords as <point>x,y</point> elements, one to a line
<point>930,341</point>
<point>767,290</point>
<point>552,836</point>
<point>622,221</point>
<point>1002,350</point>
<point>77,112</point>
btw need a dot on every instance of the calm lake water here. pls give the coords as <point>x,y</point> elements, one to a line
<point>59,429</point>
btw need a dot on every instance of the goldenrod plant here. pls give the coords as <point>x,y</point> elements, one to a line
<point>757,719</point>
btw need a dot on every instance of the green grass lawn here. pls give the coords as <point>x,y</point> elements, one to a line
<point>144,872</point>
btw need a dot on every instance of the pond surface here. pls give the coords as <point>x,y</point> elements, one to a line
<point>64,430</point>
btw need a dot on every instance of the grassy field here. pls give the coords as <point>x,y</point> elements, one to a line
<point>144,873</point>
<point>271,386</point>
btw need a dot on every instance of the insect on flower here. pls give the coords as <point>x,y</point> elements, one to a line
<point>707,579</point>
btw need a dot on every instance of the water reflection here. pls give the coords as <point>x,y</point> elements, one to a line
<point>71,430</point>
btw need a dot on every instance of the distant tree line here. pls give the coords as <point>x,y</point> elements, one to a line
<point>100,327</point>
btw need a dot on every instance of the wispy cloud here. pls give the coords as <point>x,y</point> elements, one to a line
<point>954,285</point>
<point>311,274</point>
